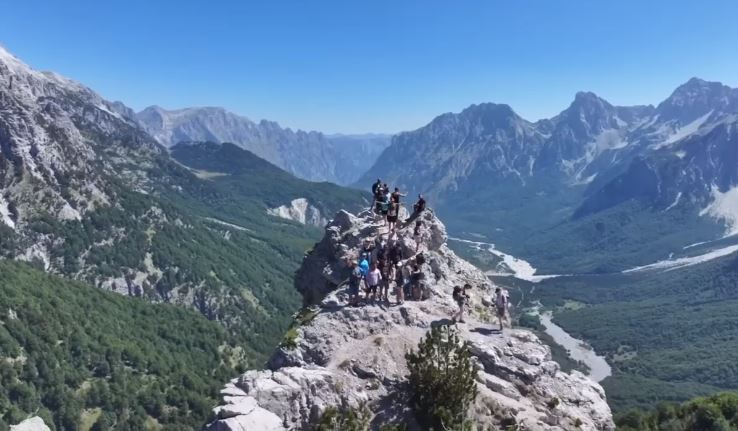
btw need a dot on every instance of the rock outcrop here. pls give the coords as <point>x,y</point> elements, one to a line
<point>31,424</point>
<point>353,357</point>
<point>301,211</point>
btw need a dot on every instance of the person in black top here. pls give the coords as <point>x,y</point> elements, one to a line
<point>376,186</point>
<point>396,195</point>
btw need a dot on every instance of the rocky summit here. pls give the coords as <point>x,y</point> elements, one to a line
<point>353,357</point>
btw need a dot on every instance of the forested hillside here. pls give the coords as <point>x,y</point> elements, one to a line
<point>668,335</point>
<point>83,358</point>
<point>716,412</point>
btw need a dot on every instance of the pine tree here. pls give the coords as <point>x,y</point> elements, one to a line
<point>442,380</point>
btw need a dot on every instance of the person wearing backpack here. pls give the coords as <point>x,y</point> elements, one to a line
<point>461,298</point>
<point>376,187</point>
<point>354,282</point>
<point>501,304</point>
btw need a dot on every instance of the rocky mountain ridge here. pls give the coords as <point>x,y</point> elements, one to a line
<point>309,155</point>
<point>353,358</point>
<point>86,193</point>
<point>595,166</point>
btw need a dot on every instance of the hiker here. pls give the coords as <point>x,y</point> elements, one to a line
<point>394,209</point>
<point>386,270</point>
<point>461,298</point>
<point>376,186</point>
<point>416,281</point>
<point>394,253</point>
<point>375,190</point>
<point>501,303</point>
<point>367,252</point>
<point>373,277</point>
<point>354,282</point>
<point>384,208</point>
<point>417,235</point>
<point>419,206</point>
<point>396,195</point>
<point>399,283</point>
<point>406,279</point>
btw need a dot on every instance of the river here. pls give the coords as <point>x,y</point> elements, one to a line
<point>578,349</point>
<point>511,266</point>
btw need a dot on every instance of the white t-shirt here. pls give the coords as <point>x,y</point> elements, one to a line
<point>373,277</point>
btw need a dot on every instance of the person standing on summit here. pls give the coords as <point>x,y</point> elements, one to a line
<point>396,195</point>
<point>375,190</point>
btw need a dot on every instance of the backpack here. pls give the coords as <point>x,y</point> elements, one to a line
<point>501,301</point>
<point>457,293</point>
<point>420,259</point>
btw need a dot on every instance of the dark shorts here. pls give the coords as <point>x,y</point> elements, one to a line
<point>392,219</point>
<point>372,289</point>
<point>353,289</point>
<point>500,311</point>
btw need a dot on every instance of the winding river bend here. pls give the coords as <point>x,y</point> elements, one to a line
<point>578,349</point>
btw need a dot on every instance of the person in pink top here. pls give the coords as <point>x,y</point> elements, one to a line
<point>373,278</point>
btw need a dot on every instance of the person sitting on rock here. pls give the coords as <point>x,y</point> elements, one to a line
<point>461,298</point>
<point>373,278</point>
<point>354,283</point>
<point>418,208</point>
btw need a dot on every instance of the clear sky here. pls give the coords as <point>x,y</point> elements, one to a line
<point>375,66</point>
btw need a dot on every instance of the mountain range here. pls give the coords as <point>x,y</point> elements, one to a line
<point>596,178</point>
<point>313,156</point>
<point>199,218</point>
<point>86,193</point>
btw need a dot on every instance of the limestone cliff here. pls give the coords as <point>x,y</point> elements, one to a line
<point>351,357</point>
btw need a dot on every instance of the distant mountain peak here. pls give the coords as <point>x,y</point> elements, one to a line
<point>696,98</point>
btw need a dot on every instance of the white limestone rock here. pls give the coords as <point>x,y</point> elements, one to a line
<point>31,424</point>
<point>353,357</point>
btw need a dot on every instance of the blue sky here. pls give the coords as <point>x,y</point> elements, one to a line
<point>375,66</point>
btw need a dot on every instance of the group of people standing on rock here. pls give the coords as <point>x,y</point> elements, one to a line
<point>381,263</point>
<point>387,206</point>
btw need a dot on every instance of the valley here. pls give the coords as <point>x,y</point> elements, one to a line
<point>188,231</point>
<point>666,330</point>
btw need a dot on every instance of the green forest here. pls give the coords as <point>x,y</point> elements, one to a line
<point>718,412</point>
<point>83,358</point>
<point>670,336</point>
<point>209,277</point>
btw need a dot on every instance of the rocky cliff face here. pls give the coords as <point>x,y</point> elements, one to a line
<point>351,357</point>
